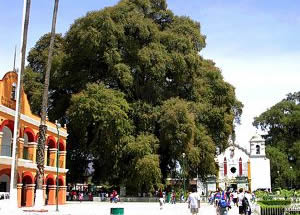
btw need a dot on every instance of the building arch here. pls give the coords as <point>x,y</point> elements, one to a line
<point>6,145</point>
<point>28,178</point>
<point>30,134</point>
<point>8,123</point>
<point>36,137</point>
<point>49,180</point>
<point>51,142</point>
<point>4,180</point>
<point>61,180</point>
<point>62,145</point>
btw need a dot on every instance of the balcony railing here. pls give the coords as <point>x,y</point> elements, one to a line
<point>51,162</point>
<point>61,164</point>
<point>27,156</point>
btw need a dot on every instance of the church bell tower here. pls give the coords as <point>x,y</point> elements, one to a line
<point>257,146</point>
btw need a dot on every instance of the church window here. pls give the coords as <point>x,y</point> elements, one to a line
<point>233,170</point>
<point>13,91</point>
<point>240,167</point>
<point>225,167</point>
<point>257,149</point>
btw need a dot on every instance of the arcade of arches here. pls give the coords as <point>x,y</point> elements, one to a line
<point>55,148</point>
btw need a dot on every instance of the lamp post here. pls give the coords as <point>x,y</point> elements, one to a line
<point>291,168</point>
<point>291,160</point>
<point>278,178</point>
<point>183,174</point>
<point>57,162</point>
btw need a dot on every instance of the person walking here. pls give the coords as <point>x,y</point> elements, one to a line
<point>217,198</point>
<point>241,196</point>
<point>223,204</point>
<point>248,203</point>
<point>168,197</point>
<point>194,201</point>
<point>80,197</point>
<point>235,198</point>
<point>181,198</point>
<point>173,198</point>
<point>161,200</point>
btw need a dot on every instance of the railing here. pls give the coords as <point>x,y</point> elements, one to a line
<point>51,162</point>
<point>27,156</point>
<point>61,164</point>
<point>6,150</point>
<point>272,211</point>
<point>284,210</point>
<point>295,209</point>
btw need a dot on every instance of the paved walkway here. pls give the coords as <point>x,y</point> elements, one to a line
<point>98,208</point>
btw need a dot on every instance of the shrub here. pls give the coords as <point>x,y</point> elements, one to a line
<point>263,195</point>
<point>279,203</point>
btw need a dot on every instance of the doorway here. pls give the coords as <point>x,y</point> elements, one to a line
<point>233,186</point>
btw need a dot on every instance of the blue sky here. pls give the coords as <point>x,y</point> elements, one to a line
<point>256,43</point>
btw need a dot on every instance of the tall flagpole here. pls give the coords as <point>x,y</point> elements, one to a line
<point>14,68</point>
<point>13,174</point>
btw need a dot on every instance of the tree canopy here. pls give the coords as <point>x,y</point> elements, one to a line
<point>135,93</point>
<point>281,122</point>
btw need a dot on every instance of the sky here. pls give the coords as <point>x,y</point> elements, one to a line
<point>255,43</point>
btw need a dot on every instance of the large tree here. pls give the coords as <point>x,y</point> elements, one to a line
<point>141,56</point>
<point>281,123</point>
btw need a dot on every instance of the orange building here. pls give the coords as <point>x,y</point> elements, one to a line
<point>27,148</point>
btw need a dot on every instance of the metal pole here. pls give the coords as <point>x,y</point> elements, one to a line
<point>25,23</point>
<point>57,154</point>
<point>183,155</point>
<point>291,177</point>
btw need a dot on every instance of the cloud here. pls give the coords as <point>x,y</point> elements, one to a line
<point>260,83</point>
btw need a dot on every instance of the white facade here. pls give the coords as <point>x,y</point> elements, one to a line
<point>240,168</point>
<point>233,167</point>
<point>260,165</point>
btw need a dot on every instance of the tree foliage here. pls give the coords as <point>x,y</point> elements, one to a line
<point>282,124</point>
<point>133,89</point>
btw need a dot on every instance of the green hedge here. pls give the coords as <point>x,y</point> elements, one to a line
<point>273,203</point>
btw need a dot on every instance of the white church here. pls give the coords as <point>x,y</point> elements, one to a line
<point>240,168</point>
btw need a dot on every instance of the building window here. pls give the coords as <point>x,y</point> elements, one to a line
<point>233,170</point>
<point>257,149</point>
<point>13,91</point>
<point>240,167</point>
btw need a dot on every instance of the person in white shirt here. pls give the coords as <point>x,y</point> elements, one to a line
<point>194,201</point>
<point>248,195</point>
<point>234,198</point>
<point>241,196</point>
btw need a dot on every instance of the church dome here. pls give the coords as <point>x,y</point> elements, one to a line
<point>257,138</point>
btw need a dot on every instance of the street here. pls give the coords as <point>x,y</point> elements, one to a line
<point>99,208</point>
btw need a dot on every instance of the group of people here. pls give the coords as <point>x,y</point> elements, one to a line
<point>193,199</point>
<point>75,195</point>
<point>222,201</point>
<point>225,200</point>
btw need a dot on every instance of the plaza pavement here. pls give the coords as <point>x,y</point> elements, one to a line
<point>100,208</point>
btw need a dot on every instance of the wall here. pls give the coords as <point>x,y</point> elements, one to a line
<point>260,173</point>
<point>233,162</point>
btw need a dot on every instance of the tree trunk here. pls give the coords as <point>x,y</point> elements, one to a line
<point>43,126</point>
